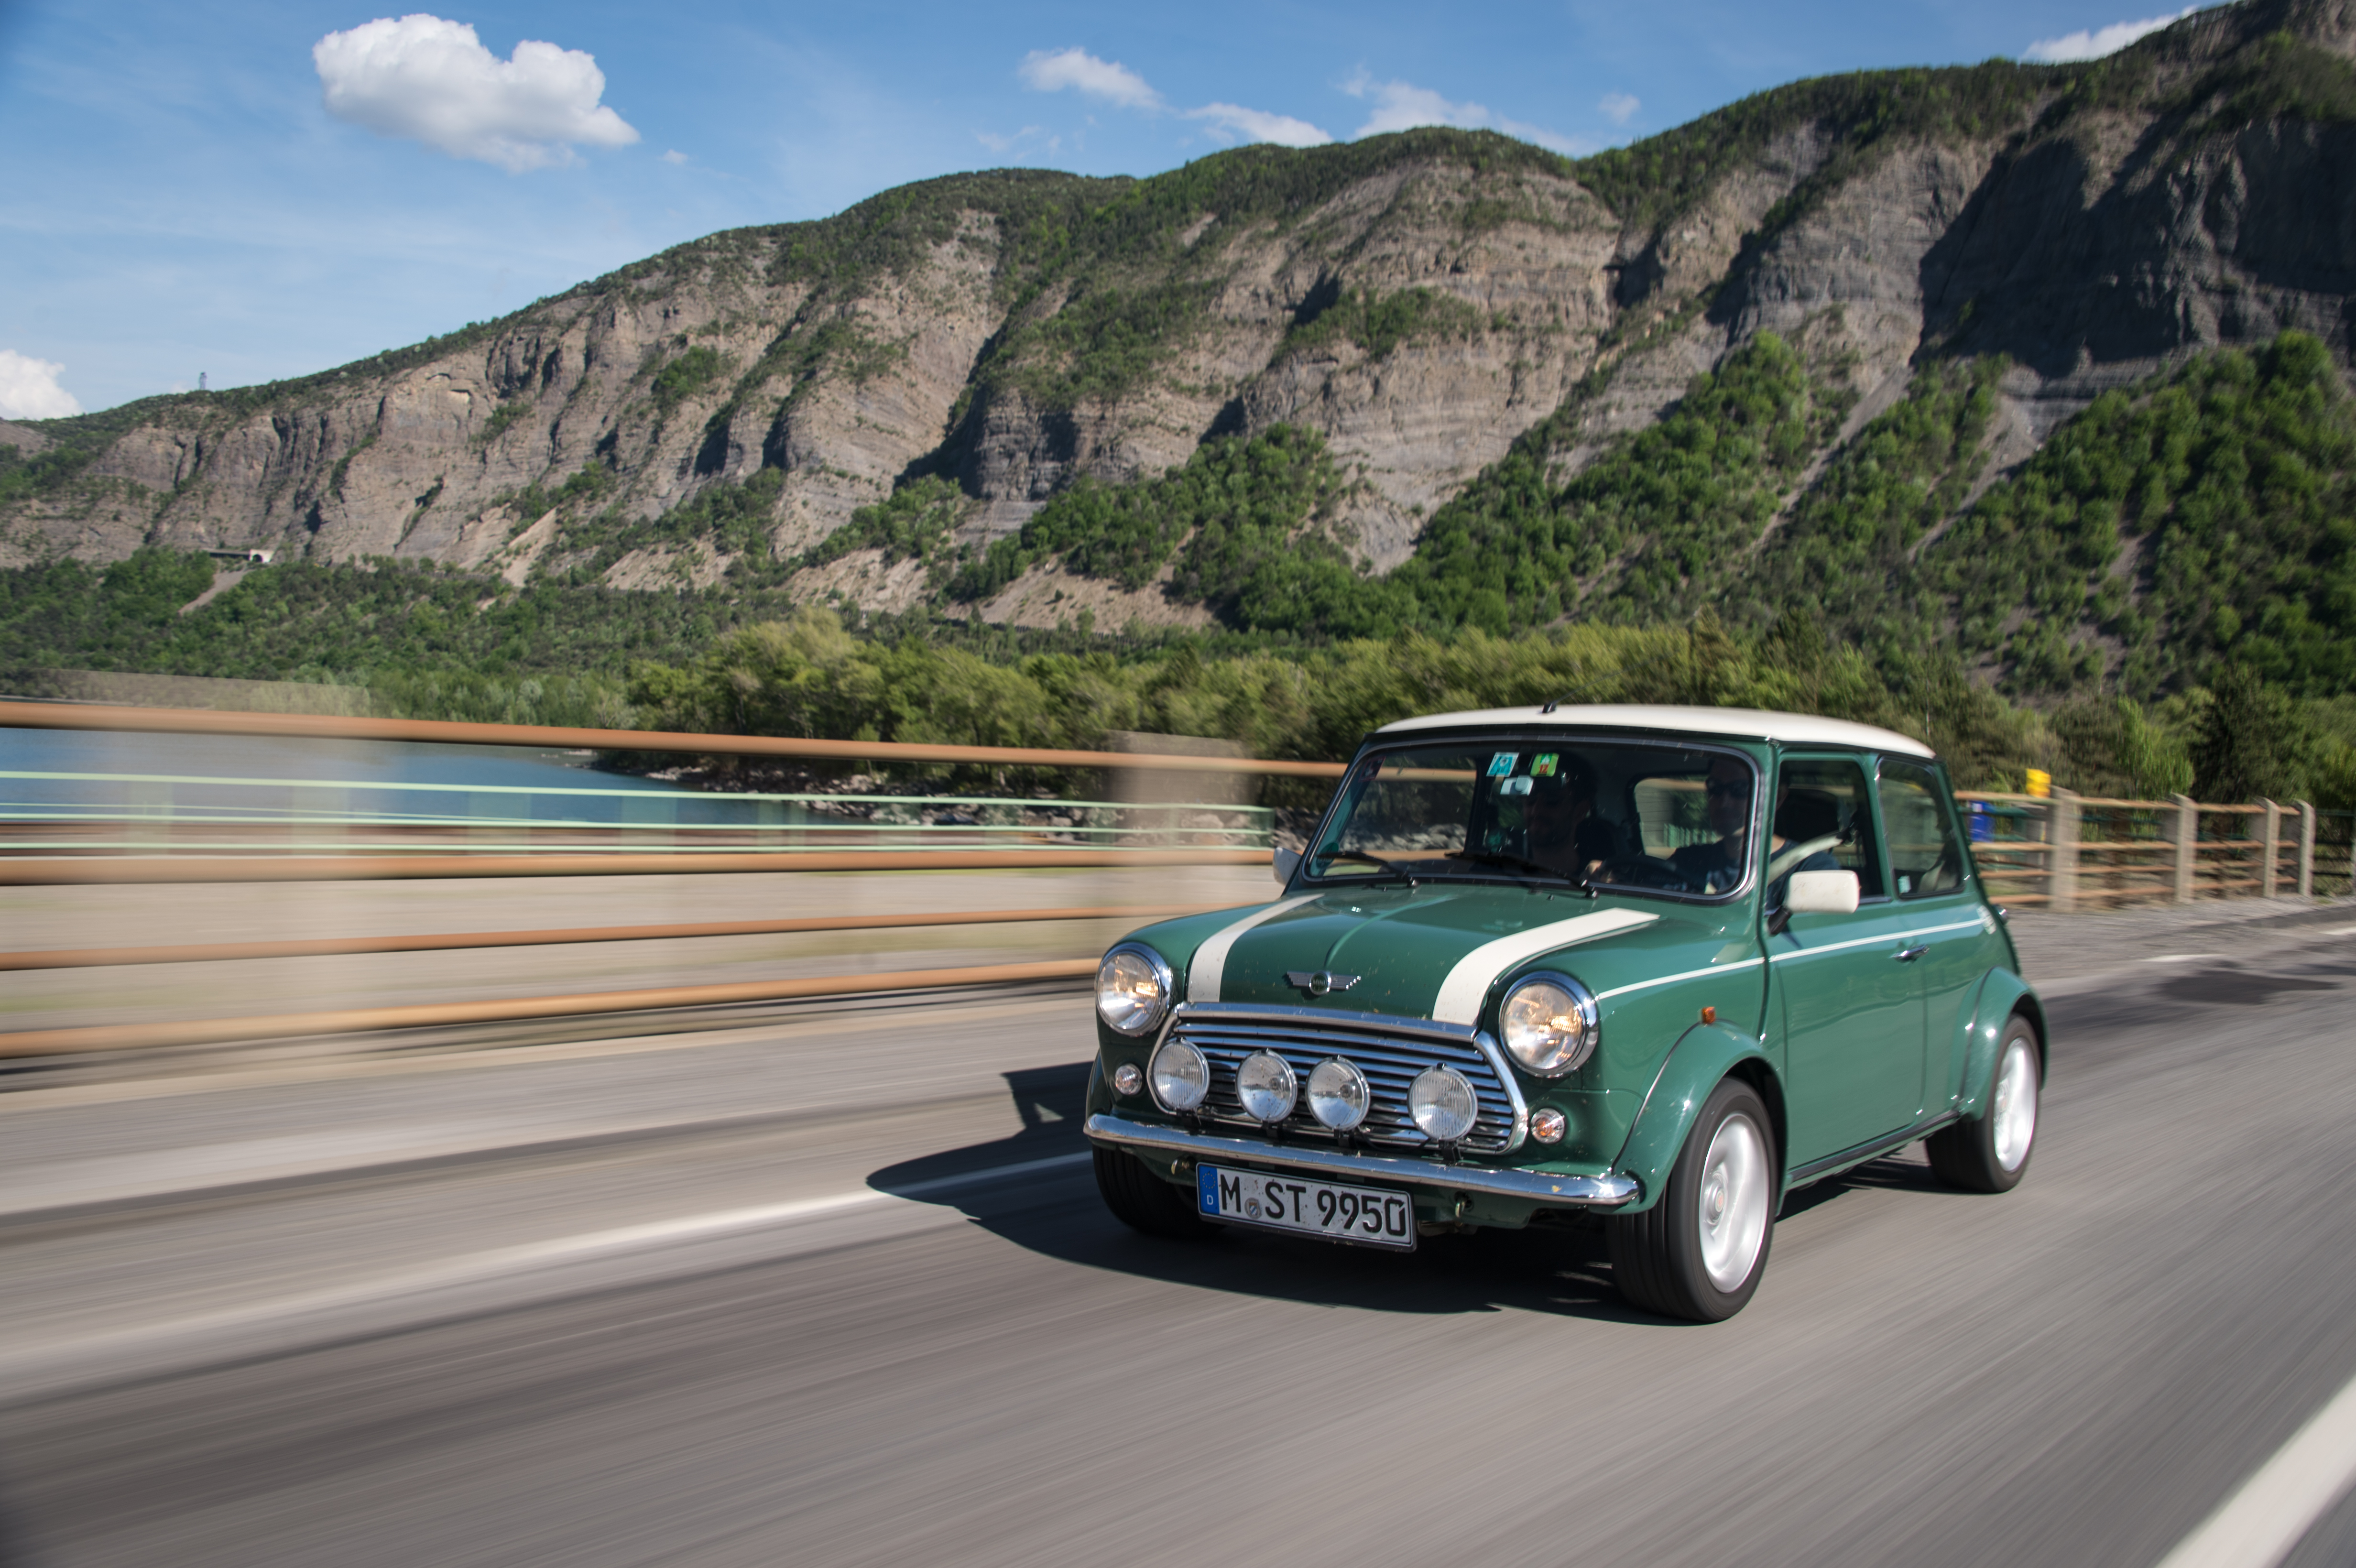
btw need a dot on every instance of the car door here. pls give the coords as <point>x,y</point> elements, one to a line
<point>1852,1007</point>
<point>1930,876</point>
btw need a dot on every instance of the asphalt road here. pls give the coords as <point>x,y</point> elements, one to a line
<point>838,1291</point>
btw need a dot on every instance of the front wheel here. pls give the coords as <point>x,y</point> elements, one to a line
<point>1698,1252</point>
<point>1990,1152</point>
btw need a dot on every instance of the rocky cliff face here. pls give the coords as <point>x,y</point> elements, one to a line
<point>1424,300</point>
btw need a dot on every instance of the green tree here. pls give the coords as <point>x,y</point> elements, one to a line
<point>2245,747</point>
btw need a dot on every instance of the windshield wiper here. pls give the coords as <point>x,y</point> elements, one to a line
<point>1375,860</point>
<point>1511,861</point>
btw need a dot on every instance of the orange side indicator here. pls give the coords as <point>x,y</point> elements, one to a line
<point>1710,1015</point>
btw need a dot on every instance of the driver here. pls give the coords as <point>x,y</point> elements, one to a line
<point>1717,867</point>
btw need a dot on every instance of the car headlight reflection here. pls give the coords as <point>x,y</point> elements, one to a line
<point>1180,1074</point>
<point>1549,1024</point>
<point>1442,1103</point>
<point>1265,1083</point>
<point>1339,1097</point>
<point>1133,989</point>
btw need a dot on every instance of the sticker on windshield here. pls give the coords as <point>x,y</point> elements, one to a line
<point>1502,765</point>
<point>1542,765</point>
<point>1515,786</point>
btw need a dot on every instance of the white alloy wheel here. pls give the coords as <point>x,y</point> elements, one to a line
<point>1731,1206</point>
<point>2014,1113</point>
<point>1697,1253</point>
<point>1990,1152</point>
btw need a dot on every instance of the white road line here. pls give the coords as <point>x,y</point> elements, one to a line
<point>2261,1521</point>
<point>476,1268</point>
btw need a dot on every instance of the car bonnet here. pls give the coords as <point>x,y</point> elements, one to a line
<point>1436,952</point>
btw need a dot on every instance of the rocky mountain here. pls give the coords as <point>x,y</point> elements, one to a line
<point>1447,340</point>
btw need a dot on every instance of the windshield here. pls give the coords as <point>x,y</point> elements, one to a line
<point>1672,819</point>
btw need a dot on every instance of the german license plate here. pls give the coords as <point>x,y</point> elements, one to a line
<point>1363,1214</point>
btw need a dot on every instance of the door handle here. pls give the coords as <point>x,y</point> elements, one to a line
<point>1908,954</point>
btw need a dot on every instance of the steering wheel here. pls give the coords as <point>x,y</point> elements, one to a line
<point>1791,855</point>
<point>1644,871</point>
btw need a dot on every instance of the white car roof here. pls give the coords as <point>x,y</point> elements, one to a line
<point>1747,723</point>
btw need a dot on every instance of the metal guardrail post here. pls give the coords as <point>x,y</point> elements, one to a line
<point>2062,857</point>
<point>2306,848</point>
<point>2184,831</point>
<point>2270,865</point>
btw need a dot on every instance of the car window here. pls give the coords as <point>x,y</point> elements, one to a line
<point>1823,822</point>
<point>1923,851</point>
<point>1406,808</point>
<point>1672,819</point>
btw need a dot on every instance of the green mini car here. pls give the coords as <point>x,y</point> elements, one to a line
<point>1656,965</point>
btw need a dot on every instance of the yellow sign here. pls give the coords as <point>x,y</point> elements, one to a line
<point>2040,783</point>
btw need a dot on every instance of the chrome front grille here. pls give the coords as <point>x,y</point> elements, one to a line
<point>1390,1051</point>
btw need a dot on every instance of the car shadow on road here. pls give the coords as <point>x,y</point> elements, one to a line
<point>1052,1209</point>
<point>1906,1171</point>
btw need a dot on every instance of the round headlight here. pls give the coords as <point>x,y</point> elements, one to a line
<point>1442,1103</point>
<point>1133,989</point>
<point>1549,1024</point>
<point>1180,1074</point>
<point>1264,1083</point>
<point>1338,1095</point>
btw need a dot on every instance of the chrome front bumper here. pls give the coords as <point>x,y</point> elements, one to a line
<point>1537,1186</point>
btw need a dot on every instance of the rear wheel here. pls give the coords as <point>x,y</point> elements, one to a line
<point>1143,1200</point>
<point>1990,1152</point>
<point>1698,1252</point>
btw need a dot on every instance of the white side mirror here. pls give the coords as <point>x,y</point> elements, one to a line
<point>1821,892</point>
<point>1289,861</point>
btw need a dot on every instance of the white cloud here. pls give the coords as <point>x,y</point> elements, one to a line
<point>29,389</point>
<point>1045,71</point>
<point>432,81</point>
<point>1620,107</point>
<point>1402,106</point>
<point>1569,146</point>
<point>674,156</point>
<point>1256,125</point>
<point>1002,145</point>
<point>2096,42</point>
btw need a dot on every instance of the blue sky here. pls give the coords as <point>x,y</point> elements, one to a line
<point>214,189</point>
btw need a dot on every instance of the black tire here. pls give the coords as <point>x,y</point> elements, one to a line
<point>1143,1200</point>
<point>1658,1255</point>
<point>1990,1152</point>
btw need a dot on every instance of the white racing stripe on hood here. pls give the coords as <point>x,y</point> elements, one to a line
<point>1467,986</point>
<point>1210,965</point>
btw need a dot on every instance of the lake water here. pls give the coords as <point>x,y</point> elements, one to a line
<point>62,774</point>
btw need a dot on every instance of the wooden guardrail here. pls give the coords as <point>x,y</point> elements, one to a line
<point>356,1021</point>
<point>462,941</point>
<point>190,865</point>
<point>326,727</point>
<point>86,870</point>
<point>2066,851</point>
